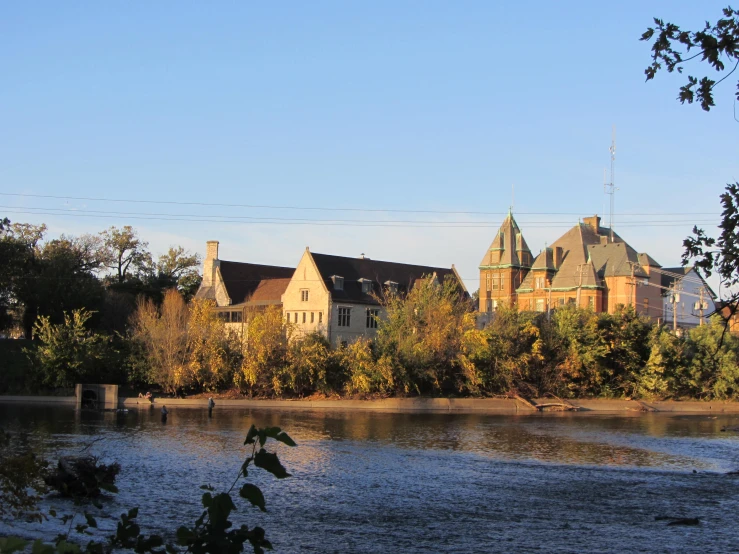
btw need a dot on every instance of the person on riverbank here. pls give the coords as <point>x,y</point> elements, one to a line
<point>211,405</point>
<point>164,414</point>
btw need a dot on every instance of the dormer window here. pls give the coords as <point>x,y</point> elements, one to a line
<point>366,286</point>
<point>392,287</point>
<point>338,282</point>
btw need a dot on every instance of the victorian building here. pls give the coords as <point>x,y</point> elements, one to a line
<point>589,266</point>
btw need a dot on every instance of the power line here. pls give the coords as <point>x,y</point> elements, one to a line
<point>329,209</point>
<point>316,222</point>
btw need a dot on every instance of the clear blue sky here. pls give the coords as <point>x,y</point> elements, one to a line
<point>402,105</point>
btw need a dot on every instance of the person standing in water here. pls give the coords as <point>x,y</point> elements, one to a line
<point>211,405</point>
<point>164,414</point>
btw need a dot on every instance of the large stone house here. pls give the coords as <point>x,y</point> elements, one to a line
<point>588,266</point>
<point>333,295</point>
<point>339,296</point>
<point>238,287</point>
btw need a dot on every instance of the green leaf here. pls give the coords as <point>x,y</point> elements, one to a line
<point>110,487</point>
<point>185,536</point>
<point>285,438</point>
<point>254,495</point>
<point>8,545</point>
<point>65,547</point>
<point>41,548</point>
<point>91,520</point>
<point>270,462</point>
<point>250,435</point>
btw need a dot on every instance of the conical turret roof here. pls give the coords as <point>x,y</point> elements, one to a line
<point>509,248</point>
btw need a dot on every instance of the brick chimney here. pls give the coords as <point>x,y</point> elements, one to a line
<point>558,255</point>
<point>211,263</point>
<point>593,222</point>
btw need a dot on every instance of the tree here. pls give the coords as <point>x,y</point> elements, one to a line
<point>69,352</point>
<point>14,253</point>
<point>178,268</point>
<point>126,253</point>
<point>162,333</point>
<point>717,45</point>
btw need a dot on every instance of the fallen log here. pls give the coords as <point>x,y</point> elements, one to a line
<point>560,406</point>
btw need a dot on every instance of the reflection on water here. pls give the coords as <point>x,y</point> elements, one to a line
<point>369,481</point>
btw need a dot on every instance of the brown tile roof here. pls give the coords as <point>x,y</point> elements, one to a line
<point>243,280</point>
<point>510,243</point>
<point>379,272</point>
<point>615,259</point>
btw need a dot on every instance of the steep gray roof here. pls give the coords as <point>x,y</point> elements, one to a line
<point>511,245</point>
<point>376,271</point>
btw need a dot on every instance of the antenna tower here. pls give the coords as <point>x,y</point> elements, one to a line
<point>610,188</point>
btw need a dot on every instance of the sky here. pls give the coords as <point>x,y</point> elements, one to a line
<point>402,130</point>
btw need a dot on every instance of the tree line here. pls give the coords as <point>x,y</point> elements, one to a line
<point>427,343</point>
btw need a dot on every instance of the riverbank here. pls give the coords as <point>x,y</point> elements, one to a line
<point>418,405</point>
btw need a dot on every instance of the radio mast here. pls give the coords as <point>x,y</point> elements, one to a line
<point>610,188</point>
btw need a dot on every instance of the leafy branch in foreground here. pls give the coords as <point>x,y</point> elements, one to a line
<point>717,45</point>
<point>212,533</point>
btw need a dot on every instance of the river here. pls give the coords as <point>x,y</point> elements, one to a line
<point>387,482</point>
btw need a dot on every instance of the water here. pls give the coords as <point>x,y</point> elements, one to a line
<point>383,482</point>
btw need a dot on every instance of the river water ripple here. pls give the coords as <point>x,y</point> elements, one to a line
<point>385,482</point>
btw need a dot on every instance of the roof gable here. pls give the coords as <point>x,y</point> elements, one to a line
<point>244,280</point>
<point>508,248</point>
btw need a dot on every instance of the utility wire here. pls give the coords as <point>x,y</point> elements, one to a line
<point>330,209</point>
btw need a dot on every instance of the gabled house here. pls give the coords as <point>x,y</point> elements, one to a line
<point>686,297</point>
<point>588,266</point>
<point>339,296</point>
<point>237,287</point>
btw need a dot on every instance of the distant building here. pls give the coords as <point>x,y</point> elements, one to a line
<point>339,296</point>
<point>685,296</point>
<point>588,266</point>
<point>237,287</point>
<point>336,296</point>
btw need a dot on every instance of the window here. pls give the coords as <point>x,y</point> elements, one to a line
<point>312,316</point>
<point>236,317</point>
<point>304,295</point>
<point>338,282</point>
<point>392,287</point>
<point>646,303</point>
<point>296,317</point>
<point>591,302</point>
<point>540,306</point>
<point>304,316</point>
<point>540,282</point>
<point>496,282</point>
<point>372,316</point>
<point>487,282</point>
<point>345,317</point>
<point>366,286</point>
<point>495,305</point>
<point>570,300</point>
<point>223,316</point>
<point>320,317</point>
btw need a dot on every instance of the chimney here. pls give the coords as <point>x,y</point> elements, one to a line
<point>593,222</point>
<point>211,263</point>
<point>558,254</point>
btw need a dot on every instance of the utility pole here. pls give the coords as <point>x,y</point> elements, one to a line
<point>702,305</point>
<point>674,299</point>
<point>579,282</point>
